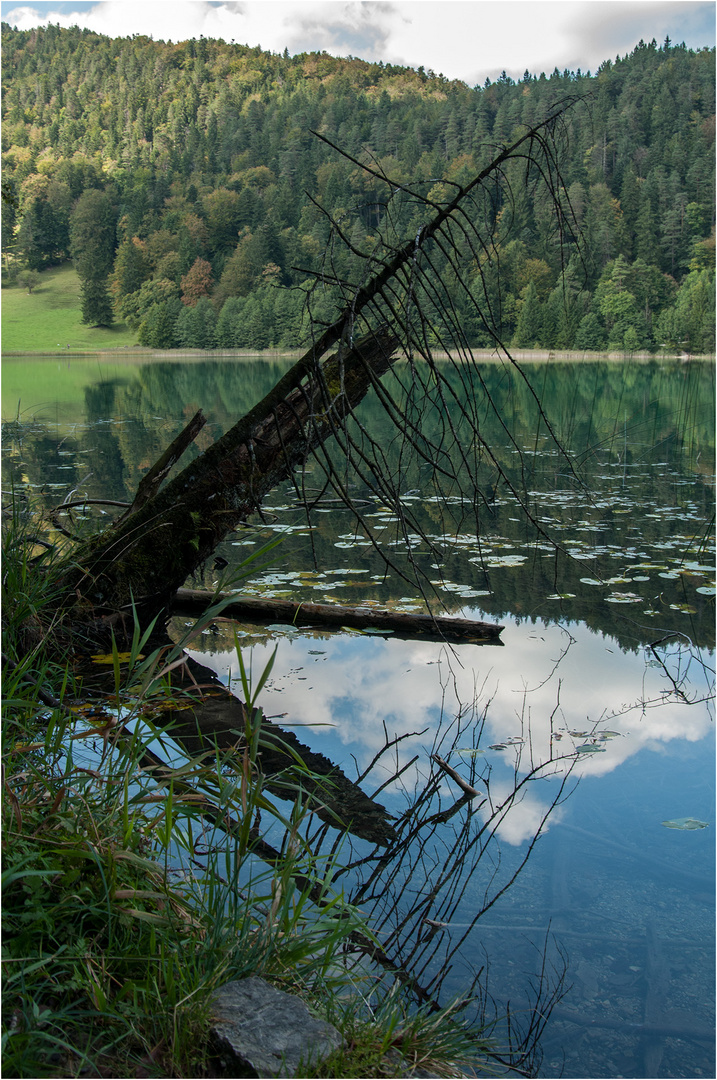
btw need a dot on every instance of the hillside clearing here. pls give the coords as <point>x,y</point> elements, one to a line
<point>48,318</point>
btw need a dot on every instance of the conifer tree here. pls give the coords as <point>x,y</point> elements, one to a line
<point>93,247</point>
<point>530,320</point>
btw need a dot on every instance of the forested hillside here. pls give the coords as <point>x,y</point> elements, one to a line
<point>185,183</point>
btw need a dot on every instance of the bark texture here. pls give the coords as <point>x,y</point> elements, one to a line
<point>148,553</point>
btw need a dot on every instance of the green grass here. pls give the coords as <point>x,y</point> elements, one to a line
<point>48,319</point>
<point>133,888</point>
<point>385,1038</point>
<point>116,928</point>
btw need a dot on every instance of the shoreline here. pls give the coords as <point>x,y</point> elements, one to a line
<point>137,355</point>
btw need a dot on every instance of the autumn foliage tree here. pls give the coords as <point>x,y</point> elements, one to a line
<point>197,282</point>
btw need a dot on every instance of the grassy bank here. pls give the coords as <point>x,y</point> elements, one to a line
<point>135,883</point>
<point>49,318</point>
<point>48,321</point>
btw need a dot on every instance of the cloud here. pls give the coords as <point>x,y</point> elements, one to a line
<point>603,30</point>
<point>356,29</point>
<point>462,39</point>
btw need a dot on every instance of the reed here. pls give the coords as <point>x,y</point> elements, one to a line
<point>134,875</point>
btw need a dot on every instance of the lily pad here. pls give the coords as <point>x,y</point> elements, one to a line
<point>589,748</point>
<point>685,823</point>
<point>498,746</point>
<point>282,628</point>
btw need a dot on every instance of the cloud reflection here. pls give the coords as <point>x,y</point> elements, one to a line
<point>550,690</point>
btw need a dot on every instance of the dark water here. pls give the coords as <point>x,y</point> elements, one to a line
<point>607,659</point>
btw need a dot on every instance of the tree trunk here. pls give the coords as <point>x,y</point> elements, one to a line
<point>257,609</point>
<point>149,552</point>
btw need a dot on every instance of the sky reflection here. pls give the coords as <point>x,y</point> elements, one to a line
<point>551,689</point>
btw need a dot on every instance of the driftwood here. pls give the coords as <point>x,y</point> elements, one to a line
<point>255,609</point>
<point>465,787</point>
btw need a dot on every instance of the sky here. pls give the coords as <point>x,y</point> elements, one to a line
<point>462,39</point>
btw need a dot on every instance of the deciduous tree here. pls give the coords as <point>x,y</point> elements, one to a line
<point>197,282</point>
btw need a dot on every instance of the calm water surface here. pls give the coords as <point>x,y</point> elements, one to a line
<point>606,663</point>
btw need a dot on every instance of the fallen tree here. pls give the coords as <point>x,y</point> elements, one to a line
<point>143,559</point>
<point>403,305</point>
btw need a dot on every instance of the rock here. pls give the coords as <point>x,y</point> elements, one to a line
<point>259,1031</point>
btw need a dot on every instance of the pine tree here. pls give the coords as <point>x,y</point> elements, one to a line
<point>528,332</point>
<point>695,312</point>
<point>228,334</point>
<point>131,269</point>
<point>92,244</point>
<point>197,326</point>
<point>591,334</point>
<point>618,305</point>
<point>95,302</point>
<point>158,329</point>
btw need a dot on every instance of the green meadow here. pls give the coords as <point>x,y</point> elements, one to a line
<point>48,319</point>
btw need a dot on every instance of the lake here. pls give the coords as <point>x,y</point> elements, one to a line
<point>592,721</point>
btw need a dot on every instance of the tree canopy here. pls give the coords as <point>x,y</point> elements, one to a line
<point>207,154</point>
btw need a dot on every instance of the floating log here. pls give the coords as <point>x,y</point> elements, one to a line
<point>256,609</point>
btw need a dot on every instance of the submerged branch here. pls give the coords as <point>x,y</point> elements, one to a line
<point>403,624</point>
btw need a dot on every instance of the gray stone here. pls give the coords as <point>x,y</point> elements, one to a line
<point>259,1031</point>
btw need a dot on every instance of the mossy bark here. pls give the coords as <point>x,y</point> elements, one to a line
<point>147,555</point>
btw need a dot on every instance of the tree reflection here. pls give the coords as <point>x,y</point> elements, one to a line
<point>629,547</point>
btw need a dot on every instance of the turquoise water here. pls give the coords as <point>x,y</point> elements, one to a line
<point>603,684</point>
<point>627,902</point>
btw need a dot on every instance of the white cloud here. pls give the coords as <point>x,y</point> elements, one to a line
<point>463,39</point>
